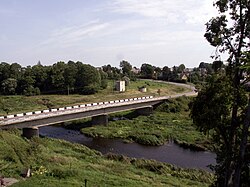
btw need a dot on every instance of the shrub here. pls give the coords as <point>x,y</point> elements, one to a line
<point>147,139</point>
<point>90,89</point>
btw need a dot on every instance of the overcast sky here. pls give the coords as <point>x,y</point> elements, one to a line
<point>99,32</point>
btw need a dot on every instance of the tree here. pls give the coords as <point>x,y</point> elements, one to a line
<point>8,86</point>
<point>221,106</point>
<point>70,74</point>
<point>107,68</point>
<point>112,72</point>
<point>181,68</point>
<point>202,65</point>
<point>15,71</point>
<point>206,66</point>
<point>40,75</point>
<point>104,79</point>
<point>217,64</point>
<point>174,74</point>
<point>126,68</point>
<point>166,72</point>
<point>147,71</point>
<point>25,84</point>
<point>157,72</point>
<point>56,75</point>
<point>88,79</point>
<point>116,73</point>
<point>10,71</point>
<point>4,70</point>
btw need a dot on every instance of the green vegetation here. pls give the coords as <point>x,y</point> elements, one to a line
<point>60,163</point>
<point>222,107</point>
<point>170,121</point>
<point>59,78</point>
<point>17,104</point>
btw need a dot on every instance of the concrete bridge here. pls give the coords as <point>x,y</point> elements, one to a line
<point>31,121</point>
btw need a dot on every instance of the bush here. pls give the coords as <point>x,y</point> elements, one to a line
<point>148,139</point>
<point>104,83</point>
<point>30,91</point>
<point>175,105</point>
<point>90,89</point>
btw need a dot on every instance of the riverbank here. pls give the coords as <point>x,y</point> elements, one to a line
<point>170,121</point>
<point>170,152</point>
<point>60,163</point>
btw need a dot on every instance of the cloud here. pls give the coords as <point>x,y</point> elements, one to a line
<point>157,31</point>
<point>177,11</point>
<point>169,37</point>
<point>202,14</point>
<point>71,35</point>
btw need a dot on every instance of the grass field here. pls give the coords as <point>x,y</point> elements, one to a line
<point>18,104</point>
<point>59,163</point>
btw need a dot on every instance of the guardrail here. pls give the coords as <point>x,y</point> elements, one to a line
<point>73,107</point>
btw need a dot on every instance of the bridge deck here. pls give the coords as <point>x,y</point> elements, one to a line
<point>52,116</point>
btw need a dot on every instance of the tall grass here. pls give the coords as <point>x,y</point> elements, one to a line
<point>60,163</point>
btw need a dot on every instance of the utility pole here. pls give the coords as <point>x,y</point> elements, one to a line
<point>190,76</point>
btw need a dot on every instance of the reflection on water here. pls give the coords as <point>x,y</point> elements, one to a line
<point>169,153</point>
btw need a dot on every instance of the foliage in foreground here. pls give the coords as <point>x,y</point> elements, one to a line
<point>221,106</point>
<point>60,163</point>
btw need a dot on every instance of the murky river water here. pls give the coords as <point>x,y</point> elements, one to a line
<point>169,153</point>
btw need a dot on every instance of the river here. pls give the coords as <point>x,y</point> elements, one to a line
<point>169,153</point>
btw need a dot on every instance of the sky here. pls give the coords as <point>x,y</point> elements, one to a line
<point>101,32</point>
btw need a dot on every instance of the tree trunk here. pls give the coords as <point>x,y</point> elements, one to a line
<point>229,163</point>
<point>243,146</point>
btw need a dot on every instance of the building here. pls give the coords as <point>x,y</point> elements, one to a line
<point>120,86</point>
<point>143,89</point>
<point>135,70</point>
<point>183,77</point>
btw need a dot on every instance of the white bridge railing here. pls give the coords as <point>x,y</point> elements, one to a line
<point>3,118</point>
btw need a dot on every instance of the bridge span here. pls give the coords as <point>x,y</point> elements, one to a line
<point>31,121</point>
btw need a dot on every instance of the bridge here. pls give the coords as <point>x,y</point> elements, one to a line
<point>31,121</point>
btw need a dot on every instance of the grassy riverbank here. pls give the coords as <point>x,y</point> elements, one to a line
<point>18,104</point>
<point>60,163</point>
<point>170,121</point>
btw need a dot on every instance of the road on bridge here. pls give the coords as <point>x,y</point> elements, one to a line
<point>86,110</point>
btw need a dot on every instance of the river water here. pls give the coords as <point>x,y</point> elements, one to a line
<point>169,153</point>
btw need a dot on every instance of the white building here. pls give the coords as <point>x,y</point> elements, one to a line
<point>120,86</point>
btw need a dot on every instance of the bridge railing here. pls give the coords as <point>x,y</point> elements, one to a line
<point>73,107</point>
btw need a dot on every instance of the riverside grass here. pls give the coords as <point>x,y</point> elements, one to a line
<point>60,163</point>
<point>18,104</point>
<point>170,121</point>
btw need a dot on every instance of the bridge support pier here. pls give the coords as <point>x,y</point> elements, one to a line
<point>30,132</point>
<point>100,120</point>
<point>145,111</point>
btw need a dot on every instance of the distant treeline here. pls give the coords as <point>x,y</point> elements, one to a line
<point>80,78</point>
<point>59,78</point>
